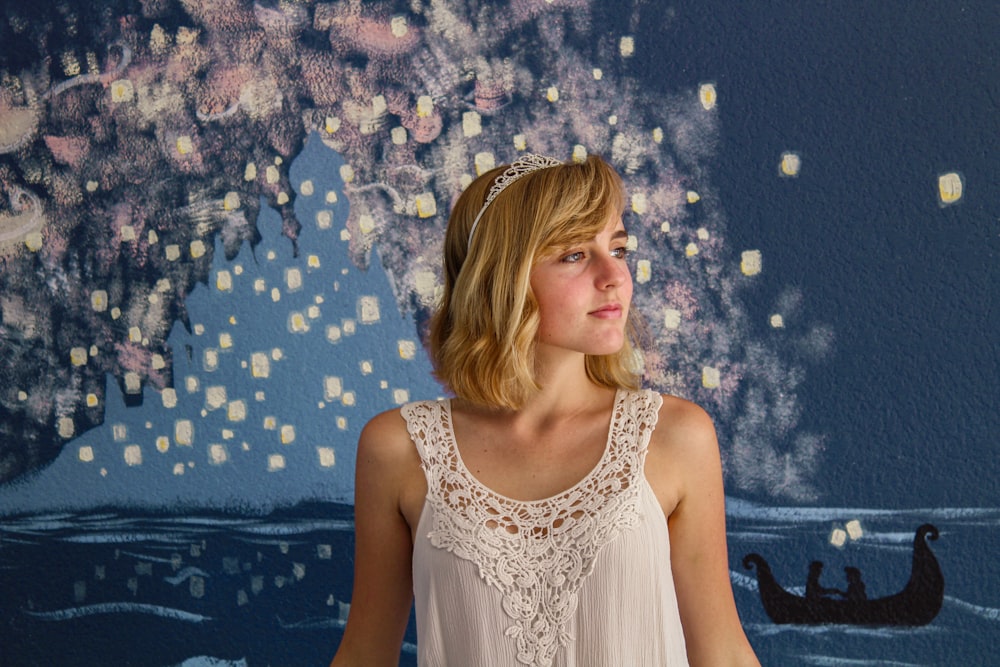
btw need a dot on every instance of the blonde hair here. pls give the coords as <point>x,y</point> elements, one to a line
<point>482,336</point>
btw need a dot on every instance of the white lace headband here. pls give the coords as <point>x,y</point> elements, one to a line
<point>522,166</point>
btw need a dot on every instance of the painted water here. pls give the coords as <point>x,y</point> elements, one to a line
<point>880,544</point>
<point>114,589</point>
<point>108,589</point>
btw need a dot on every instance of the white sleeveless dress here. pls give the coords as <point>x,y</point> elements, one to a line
<point>581,578</point>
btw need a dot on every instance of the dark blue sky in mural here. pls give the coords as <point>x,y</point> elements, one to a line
<point>878,99</point>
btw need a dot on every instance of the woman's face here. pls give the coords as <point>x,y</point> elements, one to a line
<point>584,292</point>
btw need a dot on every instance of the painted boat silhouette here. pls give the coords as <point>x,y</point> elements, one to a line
<point>916,604</point>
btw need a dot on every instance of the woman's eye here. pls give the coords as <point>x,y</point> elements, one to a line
<point>620,253</point>
<point>573,257</point>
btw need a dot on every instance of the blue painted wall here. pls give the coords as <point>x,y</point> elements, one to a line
<point>219,245</point>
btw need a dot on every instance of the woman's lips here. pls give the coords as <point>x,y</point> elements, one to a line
<point>611,311</point>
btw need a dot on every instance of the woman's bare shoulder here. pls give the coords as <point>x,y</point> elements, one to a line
<point>389,423</point>
<point>385,439</point>
<point>683,423</point>
<point>683,450</point>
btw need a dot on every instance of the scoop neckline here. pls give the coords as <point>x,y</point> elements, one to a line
<point>462,468</point>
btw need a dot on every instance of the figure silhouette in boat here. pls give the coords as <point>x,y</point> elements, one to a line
<point>917,604</point>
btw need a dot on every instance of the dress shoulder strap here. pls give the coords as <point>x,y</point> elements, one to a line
<point>427,423</point>
<point>640,412</point>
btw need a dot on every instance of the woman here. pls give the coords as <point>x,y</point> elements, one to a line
<point>529,515</point>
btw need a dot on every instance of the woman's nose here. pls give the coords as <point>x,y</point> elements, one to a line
<point>613,272</point>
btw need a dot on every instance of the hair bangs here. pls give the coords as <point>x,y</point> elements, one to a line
<point>584,197</point>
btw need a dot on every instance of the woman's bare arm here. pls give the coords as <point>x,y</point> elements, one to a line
<point>383,587</point>
<point>685,470</point>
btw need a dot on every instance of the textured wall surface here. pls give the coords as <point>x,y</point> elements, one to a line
<point>220,232</point>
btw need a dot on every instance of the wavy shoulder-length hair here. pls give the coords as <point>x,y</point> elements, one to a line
<point>482,336</point>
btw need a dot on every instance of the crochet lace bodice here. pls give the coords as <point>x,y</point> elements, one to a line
<point>534,555</point>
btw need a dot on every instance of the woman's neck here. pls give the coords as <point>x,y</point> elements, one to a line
<point>565,390</point>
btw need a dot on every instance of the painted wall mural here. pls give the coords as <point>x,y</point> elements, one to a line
<point>220,229</point>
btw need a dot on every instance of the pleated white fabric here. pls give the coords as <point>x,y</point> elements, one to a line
<point>581,578</point>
